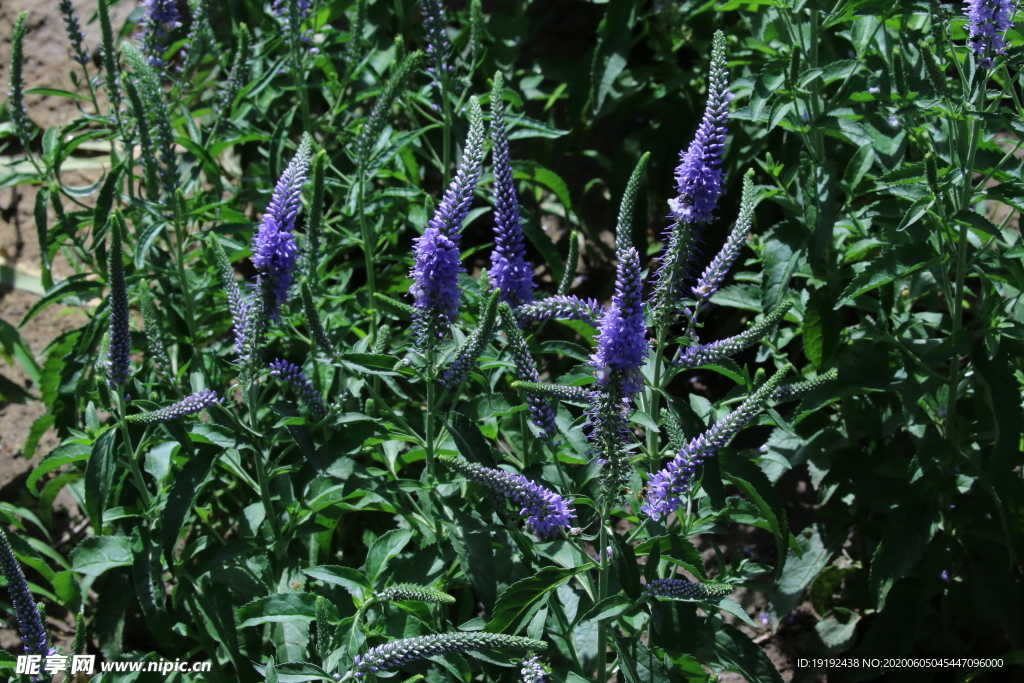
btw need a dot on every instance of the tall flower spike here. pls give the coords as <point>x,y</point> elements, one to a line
<point>435,274</point>
<point>293,375</point>
<point>545,511</point>
<point>119,351</point>
<point>157,113</point>
<point>705,354</point>
<point>699,176</point>
<point>74,30</point>
<point>238,303</point>
<point>709,282</point>
<point>541,412</point>
<point>795,390</point>
<point>190,405</point>
<point>154,339</point>
<point>391,656</point>
<point>30,623</point>
<point>987,21</point>
<point>560,307</point>
<point>668,486</point>
<point>412,591</point>
<point>621,340</point>
<point>437,42</point>
<point>382,109</point>
<point>273,245</point>
<point>510,271</point>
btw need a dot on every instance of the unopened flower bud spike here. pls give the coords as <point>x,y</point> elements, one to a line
<point>708,354</point>
<point>542,413</point>
<point>572,264</point>
<point>468,356</point>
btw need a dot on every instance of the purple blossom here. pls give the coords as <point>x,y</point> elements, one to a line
<point>531,670</point>
<point>560,307</point>
<point>74,31</point>
<point>273,245</point>
<point>621,341</point>
<point>437,42</point>
<point>699,174</point>
<point>545,510</point>
<point>510,271</point>
<point>393,655</point>
<point>190,405</point>
<point>435,273</point>
<point>30,623</point>
<point>293,375</point>
<point>161,17</point>
<point>281,7</point>
<point>987,21</point>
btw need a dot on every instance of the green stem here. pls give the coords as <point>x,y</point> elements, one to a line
<point>133,465</point>
<point>369,243</point>
<point>602,593</point>
<point>262,476</point>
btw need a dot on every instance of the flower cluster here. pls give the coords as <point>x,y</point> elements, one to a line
<point>510,271</point>
<point>560,307</point>
<point>687,590</point>
<point>987,21</point>
<point>545,510</point>
<point>30,624</point>
<point>699,176</point>
<point>709,282</point>
<point>400,652</point>
<point>292,374</point>
<point>411,591</point>
<point>668,486</point>
<point>531,670</point>
<point>435,274</point>
<point>160,18</point>
<point>190,405</point>
<point>273,245</point>
<point>437,42</point>
<point>621,341</point>
<point>74,31</point>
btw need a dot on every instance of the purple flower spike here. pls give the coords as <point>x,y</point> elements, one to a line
<point>30,624</point>
<point>699,174</point>
<point>621,341</point>
<point>398,653</point>
<point>293,375</point>
<point>437,42</point>
<point>560,307</point>
<point>713,276</point>
<point>510,271</point>
<point>987,21</point>
<point>435,274</point>
<point>273,245</point>
<point>532,671</point>
<point>545,511</point>
<point>119,348</point>
<point>160,19</point>
<point>190,405</point>
<point>681,589</point>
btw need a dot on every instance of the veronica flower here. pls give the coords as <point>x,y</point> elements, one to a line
<point>545,510</point>
<point>436,271</point>
<point>293,375</point>
<point>16,103</point>
<point>274,248</point>
<point>412,591</point>
<point>190,405</point>
<point>687,590</point>
<point>119,349</point>
<point>987,21</point>
<point>706,354</point>
<point>532,671</point>
<point>621,340</point>
<point>668,486</point>
<point>30,623</point>
<point>698,182</point>
<point>393,655</point>
<point>559,307</point>
<point>160,18</point>
<point>74,31</point>
<point>709,282</point>
<point>510,271</point>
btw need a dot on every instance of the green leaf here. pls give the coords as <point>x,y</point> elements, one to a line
<point>678,549</point>
<point>727,604</point>
<point>58,457</point>
<point>624,559</point>
<point>15,346</point>
<point>803,563</point>
<point>522,594</point>
<point>65,586</point>
<point>386,547</point>
<point>978,222</point>
<point>76,286</point>
<point>566,348</point>
<point>353,581</point>
<point>609,608</point>
<point>292,672</point>
<point>893,263</point>
<point>278,608</point>
<point>468,439</point>
<point>1001,392</point>
<point>99,476</point>
<point>750,479</point>
<point>187,485</point>
<point>96,554</point>
<point>916,212</point>
<point>639,663</point>
<point>740,653</point>
<point>534,172</point>
<point>56,92</point>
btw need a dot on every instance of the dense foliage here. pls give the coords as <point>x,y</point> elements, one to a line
<point>403,311</point>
